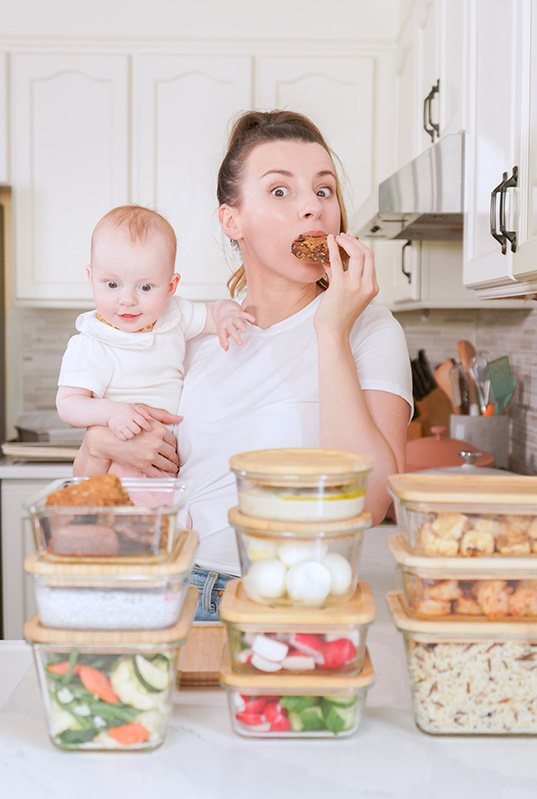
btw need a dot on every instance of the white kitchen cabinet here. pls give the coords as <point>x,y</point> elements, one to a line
<point>398,272</point>
<point>70,157</point>
<point>339,95</point>
<point>182,108</point>
<point>4,162</point>
<point>500,246</point>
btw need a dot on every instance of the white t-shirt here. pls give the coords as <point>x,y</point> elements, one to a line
<point>265,394</point>
<point>147,366</point>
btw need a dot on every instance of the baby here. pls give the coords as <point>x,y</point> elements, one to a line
<point>131,349</point>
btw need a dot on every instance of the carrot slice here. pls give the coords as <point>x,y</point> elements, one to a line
<point>129,734</point>
<point>98,683</point>
<point>62,668</point>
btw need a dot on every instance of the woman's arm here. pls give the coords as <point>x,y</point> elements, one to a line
<point>151,452</point>
<point>370,422</point>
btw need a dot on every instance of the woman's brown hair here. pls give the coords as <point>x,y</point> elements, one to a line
<point>258,127</point>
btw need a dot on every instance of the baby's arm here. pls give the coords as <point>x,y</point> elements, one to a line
<point>225,318</point>
<point>79,408</point>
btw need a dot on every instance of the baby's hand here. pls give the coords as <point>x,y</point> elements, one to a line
<point>128,419</point>
<point>229,325</point>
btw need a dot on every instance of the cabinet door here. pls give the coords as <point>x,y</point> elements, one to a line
<point>490,141</point>
<point>409,95</point>
<point>4,169</point>
<point>338,95</point>
<point>398,272</point>
<point>182,110</point>
<point>70,165</point>
<point>429,44</point>
<point>525,257</point>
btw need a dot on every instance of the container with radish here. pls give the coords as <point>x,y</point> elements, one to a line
<point>299,641</point>
<point>108,690</point>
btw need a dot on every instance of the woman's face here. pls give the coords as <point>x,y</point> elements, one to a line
<point>288,189</point>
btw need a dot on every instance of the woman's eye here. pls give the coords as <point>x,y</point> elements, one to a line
<point>111,284</point>
<point>146,287</point>
<point>326,191</point>
<point>280,191</point>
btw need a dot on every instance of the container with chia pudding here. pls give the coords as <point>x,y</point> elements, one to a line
<point>302,485</point>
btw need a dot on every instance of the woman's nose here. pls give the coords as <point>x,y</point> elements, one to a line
<point>310,207</point>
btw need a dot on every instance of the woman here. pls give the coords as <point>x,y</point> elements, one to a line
<point>320,367</point>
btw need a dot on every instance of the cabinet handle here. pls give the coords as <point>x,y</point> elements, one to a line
<point>508,183</point>
<point>430,127</point>
<point>500,238</point>
<point>408,275</point>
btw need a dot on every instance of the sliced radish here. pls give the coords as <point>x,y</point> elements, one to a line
<point>299,662</point>
<point>250,719</point>
<point>244,656</point>
<point>280,724</point>
<point>354,637</point>
<point>309,644</point>
<point>269,648</point>
<point>262,664</point>
<point>248,638</point>
<point>338,654</point>
<point>254,706</point>
<point>273,711</point>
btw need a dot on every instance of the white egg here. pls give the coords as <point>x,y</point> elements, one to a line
<point>308,583</point>
<point>265,579</point>
<point>341,571</point>
<point>291,552</point>
<point>261,549</point>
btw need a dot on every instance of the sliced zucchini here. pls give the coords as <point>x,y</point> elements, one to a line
<point>153,675</point>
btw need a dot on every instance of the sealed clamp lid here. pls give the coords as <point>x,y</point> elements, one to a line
<point>297,463</point>
<point>495,567</point>
<point>255,526</point>
<point>36,633</point>
<point>514,494</point>
<point>296,683</point>
<point>237,608</point>
<point>464,630</point>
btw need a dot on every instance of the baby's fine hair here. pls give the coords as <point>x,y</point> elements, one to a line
<point>139,223</point>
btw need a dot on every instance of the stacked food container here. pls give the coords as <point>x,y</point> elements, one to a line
<point>297,663</point>
<point>468,609</point>
<point>110,573</point>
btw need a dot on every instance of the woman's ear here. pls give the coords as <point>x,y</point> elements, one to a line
<point>229,220</point>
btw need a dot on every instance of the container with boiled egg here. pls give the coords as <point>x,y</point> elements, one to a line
<point>300,641</point>
<point>299,564</point>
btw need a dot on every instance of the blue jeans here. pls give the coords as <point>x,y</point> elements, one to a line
<point>211,589</point>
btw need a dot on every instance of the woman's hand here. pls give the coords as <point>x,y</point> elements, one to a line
<point>350,290</point>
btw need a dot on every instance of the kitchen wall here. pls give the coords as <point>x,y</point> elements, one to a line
<point>500,332</point>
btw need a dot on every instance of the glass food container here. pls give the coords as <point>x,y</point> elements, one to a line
<point>470,679</point>
<point>471,589</point>
<point>299,564</point>
<point>467,515</point>
<point>96,596</point>
<point>292,706</point>
<point>306,641</point>
<point>99,524</point>
<point>301,485</point>
<point>108,690</point>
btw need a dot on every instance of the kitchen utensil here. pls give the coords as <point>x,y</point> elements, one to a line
<point>423,381</point>
<point>455,382</point>
<point>501,382</point>
<point>442,376</point>
<point>439,450</point>
<point>426,370</point>
<point>478,368</point>
<point>466,352</point>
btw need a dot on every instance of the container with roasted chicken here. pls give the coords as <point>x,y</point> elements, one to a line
<point>105,690</point>
<point>470,679</point>
<point>306,641</point>
<point>467,516</point>
<point>301,485</point>
<point>296,706</point>
<point>471,589</point>
<point>299,564</point>
<point>106,518</point>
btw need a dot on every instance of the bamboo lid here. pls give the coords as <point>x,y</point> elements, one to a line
<point>297,683</point>
<point>36,633</point>
<point>465,629</point>
<point>498,566</point>
<point>254,525</point>
<point>490,492</point>
<point>237,608</point>
<point>186,548</point>
<point>331,463</point>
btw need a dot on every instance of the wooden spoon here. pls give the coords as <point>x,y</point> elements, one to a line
<point>466,351</point>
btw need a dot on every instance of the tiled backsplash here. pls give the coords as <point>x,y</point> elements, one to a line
<point>500,332</point>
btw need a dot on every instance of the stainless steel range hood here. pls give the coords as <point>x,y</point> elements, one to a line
<point>422,200</point>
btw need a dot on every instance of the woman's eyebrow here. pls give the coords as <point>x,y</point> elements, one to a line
<point>288,174</point>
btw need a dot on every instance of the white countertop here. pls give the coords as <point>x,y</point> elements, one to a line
<point>11,469</point>
<point>201,757</point>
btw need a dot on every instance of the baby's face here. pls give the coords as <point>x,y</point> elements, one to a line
<point>131,281</point>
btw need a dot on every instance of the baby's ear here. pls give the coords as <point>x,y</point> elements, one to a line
<point>229,220</point>
<point>176,277</point>
<point>89,272</point>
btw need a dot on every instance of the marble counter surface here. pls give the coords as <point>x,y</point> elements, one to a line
<point>201,757</point>
<point>11,469</point>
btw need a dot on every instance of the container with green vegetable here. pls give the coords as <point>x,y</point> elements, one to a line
<point>105,689</point>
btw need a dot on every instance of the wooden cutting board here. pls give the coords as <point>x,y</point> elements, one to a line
<point>201,656</point>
